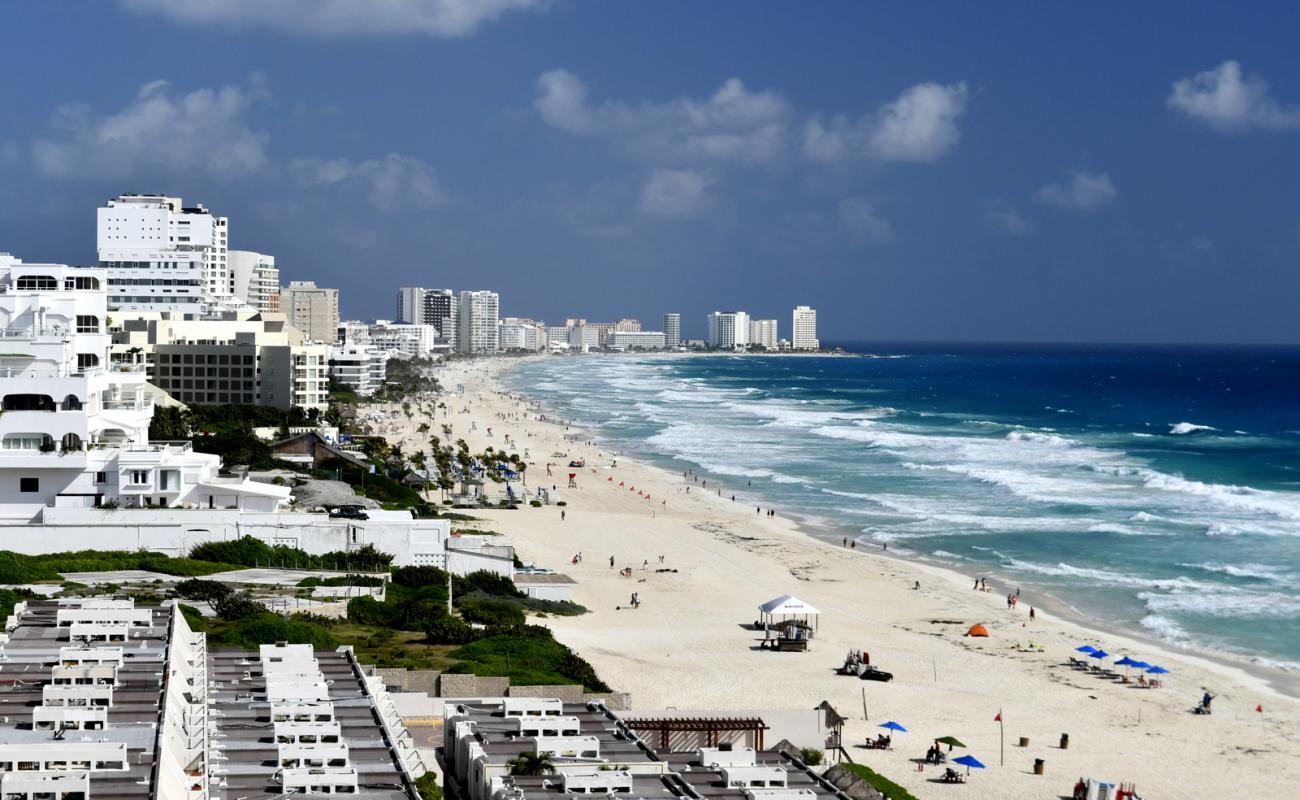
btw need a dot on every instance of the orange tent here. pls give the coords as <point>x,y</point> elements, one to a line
<point>977,630</point>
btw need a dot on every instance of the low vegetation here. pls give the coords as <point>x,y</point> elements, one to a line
<point>251,552</point>
<point>20,568</point>
<point>879,782</point>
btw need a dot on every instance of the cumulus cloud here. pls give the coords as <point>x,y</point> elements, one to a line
<point>1008,221</point>
<point>1227,100</point>
<point>919,126</point>
<point>337,18</point>
<point>390,183</point>
<point>859,217</point>
<point>733,124</point>
<point>675,193</point>
<point>1085,191</point>
<point>159,131</point>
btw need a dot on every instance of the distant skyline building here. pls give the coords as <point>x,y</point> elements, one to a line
<point>436,307</point>
<point>312,309</point>
<point>672,330</point>
<point>477,317</point>
<point>636,340</point>
<point>803,332</point>
<point>728,330</point>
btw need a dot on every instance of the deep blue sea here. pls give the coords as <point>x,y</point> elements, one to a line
<point>1156,488</point>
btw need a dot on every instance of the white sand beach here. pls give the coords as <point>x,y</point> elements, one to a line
<point>687,647</point>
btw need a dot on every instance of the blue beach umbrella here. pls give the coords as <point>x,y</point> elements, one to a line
<point>1141,665</point>
<point>1099,654</point>
<point>1157,671</point>
<point>893,726</point>
<point>968,762</point>
<point>1087,648</point>
<point>1126,662</point>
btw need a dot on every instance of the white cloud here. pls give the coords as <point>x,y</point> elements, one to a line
<point>337,18</point>
<point>859,216</point>
<point>675,193</point>
<point>1086,191</point>
<point>1227,100</point>
<point>920,126</point>
<point>1008,221</point>
<point>390,182</point>
<point>733,124</point>
<point>207,131</point>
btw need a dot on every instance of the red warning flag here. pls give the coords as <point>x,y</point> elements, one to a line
<point>998,718</point>
<point>1259,709</point>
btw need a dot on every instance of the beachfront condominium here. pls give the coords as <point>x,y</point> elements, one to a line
<point>762,333</point>
<point>728,330</point>
<point>636,340</point>
<point>256,279</point>
<point>804,331</point>
<point>164,256</point>
<point>312,309</point>
<point>436,307</point>
<point>672,330</point>
<point>477,316</point>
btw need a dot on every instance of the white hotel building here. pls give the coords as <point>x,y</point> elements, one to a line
<point>75,427</point>
<point>804,329</point>
<point>164,256</point>
<point>728,330</point>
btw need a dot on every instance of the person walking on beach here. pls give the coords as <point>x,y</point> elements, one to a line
<point>561,515</point>
<point>977,585</point>
<point>1032,615</point>
<point>611,562</point>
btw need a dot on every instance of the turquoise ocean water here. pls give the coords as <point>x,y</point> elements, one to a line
<point>1156,488</point>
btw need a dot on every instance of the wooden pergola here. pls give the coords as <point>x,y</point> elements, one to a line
<point>709,726</point>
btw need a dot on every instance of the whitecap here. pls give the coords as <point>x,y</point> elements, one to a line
<point>1184,428</point>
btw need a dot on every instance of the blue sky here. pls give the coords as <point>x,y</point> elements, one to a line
<point>1024,171</point>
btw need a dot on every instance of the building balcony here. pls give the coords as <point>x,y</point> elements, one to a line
<point>36,459</point>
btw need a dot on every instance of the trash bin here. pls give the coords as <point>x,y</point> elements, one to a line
<point>1024,741</point>
<point>1038,766</point>
<point>1065,741</point>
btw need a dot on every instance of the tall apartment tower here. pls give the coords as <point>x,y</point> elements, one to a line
<point>763,332</point>
<point>803,334</point>
<point>477,317</point>
<point>312,310</point>
<point>164,256</point>
<point>728,330</point>
<point>672,330</point>
<point>436,307</point>
<point>410,305</point>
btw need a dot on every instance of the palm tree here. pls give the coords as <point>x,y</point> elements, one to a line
<point>530,764</point>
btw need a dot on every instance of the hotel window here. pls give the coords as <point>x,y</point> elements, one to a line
<point>101,477</point>
<point>29,484</point>
<point>87,323</point>
<point>139,476</point>
<point>87,360</point>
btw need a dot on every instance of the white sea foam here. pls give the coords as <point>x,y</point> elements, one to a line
<point>1260,571</point>
<point>1109,577</point>
<point>1184,428</point>
<point>1223,603</point>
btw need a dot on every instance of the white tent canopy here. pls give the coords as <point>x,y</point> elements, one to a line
<point>785,607</point>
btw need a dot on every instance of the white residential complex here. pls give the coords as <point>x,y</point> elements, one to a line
<point>522,335</point>
<point>672,330</point>
<point>804,331</point>
<point>255,279</point>
<point>75,427</point>
<point>362,367</point>
<point>728,330</point>
<point>162,256</point>
<point>312,309</point>
<point>477,314</point>
<point>762,333</point>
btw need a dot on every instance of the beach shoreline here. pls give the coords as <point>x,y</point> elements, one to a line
<point>1283,681</point>
<point>685,646</point>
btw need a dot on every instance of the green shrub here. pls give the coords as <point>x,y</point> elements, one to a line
<point>20,568</point>
<point>561,503</point>
<point>427,786</point>
<point>879,782</point>
<point>442,628</point>
<point>535,503</point>
<point>193,617</point>
<point>342,580</point>
<point>268,628</point>
<point>528,655</point>
<point>198,589</point>
<point>491,612</point>
<point>810,756</point>
<point>238,606</point>
<point>10,598</point>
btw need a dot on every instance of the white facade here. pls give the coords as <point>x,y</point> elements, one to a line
<point>410,304</point>
<point>477,329</point>
<point>728,330</point>
<point>312,309</point>
<point>803,334</point>
<point>584,337</point>
<point>404,340</point>
<point>763,332</point>
<point>362,367</point>
<point>436,307</point>
<point>672,330</point>
<point>522,335</point>
<point>75,427</point>
<point>255,279</point>
<point>636,340</point>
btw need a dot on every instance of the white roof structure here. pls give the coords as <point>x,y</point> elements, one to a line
<point>787,605</point>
